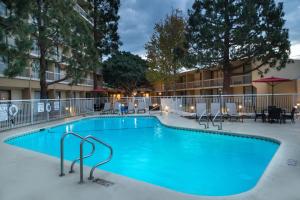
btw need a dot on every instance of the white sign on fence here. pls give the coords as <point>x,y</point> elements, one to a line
<point>3,112</point>
<point>41,107</point>
<point>56,105</point>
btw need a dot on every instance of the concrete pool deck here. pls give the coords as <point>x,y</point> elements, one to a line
<point>30,175</point>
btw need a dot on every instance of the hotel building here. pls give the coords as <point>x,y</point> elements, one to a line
<point>208,82</point>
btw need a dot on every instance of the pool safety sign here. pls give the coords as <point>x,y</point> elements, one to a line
<point>3,112</point>
<point>56,105</point>
<point>41,107</point>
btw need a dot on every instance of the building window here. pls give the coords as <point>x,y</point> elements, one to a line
<point>3,10</point>
<point>35,66</point>
<point>3,64</point>
<point>4,95</point>
<point>58,95</point>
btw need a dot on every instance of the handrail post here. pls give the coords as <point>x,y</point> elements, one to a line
<point>81,162</point>
<point>62,157</point>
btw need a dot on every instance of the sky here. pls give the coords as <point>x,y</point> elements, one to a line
<point>138,18</point>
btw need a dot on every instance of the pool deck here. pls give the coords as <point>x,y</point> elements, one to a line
<point>29,175</point>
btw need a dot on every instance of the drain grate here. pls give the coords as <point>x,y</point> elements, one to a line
<point>103,182</point>
<point>292,162</point>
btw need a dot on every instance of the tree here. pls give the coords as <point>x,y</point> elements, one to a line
<point>15,42</point>
<point>105,26</point>
<point>167,49</point>
<point>58,32</point>
<point>233,34</point>
<point>126,71</point>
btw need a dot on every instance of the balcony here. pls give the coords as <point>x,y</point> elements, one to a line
<point>83,13</point>
<point>213,83</point>
<point>50,77</point>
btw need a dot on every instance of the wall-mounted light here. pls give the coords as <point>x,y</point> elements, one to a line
<point>166,108</point>
<point>240,106</point>
<point>192,107</point>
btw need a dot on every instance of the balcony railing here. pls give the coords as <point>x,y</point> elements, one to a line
<point>50,76</point>
<point>83,13</point>
<point>213,83</point>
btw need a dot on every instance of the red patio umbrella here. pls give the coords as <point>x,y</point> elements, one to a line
<point>272,81</point>
<point>99,90</point>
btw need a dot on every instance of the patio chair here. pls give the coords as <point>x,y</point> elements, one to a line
<point>232,112</point>
<point>117,107</point>
<point>290,116</point>
<point>141,107</point>
<point>275,115</point>
<point>201,112</point>
<point>131,108</point>
<point>261,115</point>
<point>106,109</point>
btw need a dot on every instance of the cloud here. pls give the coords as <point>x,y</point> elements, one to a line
<point>138,18</point>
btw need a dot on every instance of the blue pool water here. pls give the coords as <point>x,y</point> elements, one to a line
<point>182,160</point>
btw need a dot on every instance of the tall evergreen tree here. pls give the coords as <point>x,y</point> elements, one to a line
<point>166,51</point>
<point>59,33</point>
<point>105,26</point>
<point>233,34</point>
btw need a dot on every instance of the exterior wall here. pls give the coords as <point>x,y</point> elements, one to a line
<point>237,90</point>
<point>291,71</point>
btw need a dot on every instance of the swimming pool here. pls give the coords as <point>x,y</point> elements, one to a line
<point>187,161</point>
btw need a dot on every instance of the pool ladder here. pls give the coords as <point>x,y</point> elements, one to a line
<point>89,140</point>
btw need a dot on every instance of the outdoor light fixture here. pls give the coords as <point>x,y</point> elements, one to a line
<point>67,108</point>
<point>180,106</point>
<point>166,108</point>
<point>135,105</point>
<point>159,93</point>
<point>192,107</point>
<point>240,106</point>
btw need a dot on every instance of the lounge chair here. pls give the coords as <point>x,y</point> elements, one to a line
<point>201,112</point>
<point>117,107</point>
<point>232,112</point>
<point>186,114</point>
<point>106,109</point>
<point>131,108</point>
<point>141,107</point>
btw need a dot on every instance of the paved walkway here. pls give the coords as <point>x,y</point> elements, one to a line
<point>30,175</point>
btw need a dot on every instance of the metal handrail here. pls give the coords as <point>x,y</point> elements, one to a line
<point>199,120</point>
<point>91,177</point>
<point>214,118</point>
<point>62,152</point>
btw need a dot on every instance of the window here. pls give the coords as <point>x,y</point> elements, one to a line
<point>4,95</point>
<point>3,64</point>
<point>35,65</point>
<point>37,94</point>
<point>57,95</point>
<point>3,9</point>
